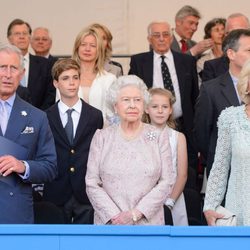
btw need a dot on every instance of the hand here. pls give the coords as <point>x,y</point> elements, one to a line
<point>212,216</point>
<point>123,218</point>
<point>9,164</point>
<point>201,46</point>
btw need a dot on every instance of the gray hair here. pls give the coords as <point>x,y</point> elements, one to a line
<point>231,41</point>
<point>44,29</point>
<point>237,15</point>
<point>124,81</point>
<point>243,83</point>
<point>187,10</point>
<point>149,29</point>
<point>9,48</point>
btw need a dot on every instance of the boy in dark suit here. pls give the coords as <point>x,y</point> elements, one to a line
<point>73,123</point>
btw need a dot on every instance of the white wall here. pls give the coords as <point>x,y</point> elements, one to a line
<point>127,19</point>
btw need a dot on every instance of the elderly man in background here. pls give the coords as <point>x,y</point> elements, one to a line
<point>174,71</point>
<point>41,43</point>
<point>186,24</point>
<point>37,78</point>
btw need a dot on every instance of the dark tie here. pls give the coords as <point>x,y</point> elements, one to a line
<point>184,46</point>
<point>69,126</point>
<point>167,81</point>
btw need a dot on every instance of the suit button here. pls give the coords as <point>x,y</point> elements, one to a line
<point>11,194</point>
<point>72,151</point>
<point>72,169</point>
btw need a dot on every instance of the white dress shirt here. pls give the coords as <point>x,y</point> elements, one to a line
<point>75,114</point>
<point>158,81</point>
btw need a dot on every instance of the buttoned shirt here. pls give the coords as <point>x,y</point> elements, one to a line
<point>75,114</point>
<point>158,80</point>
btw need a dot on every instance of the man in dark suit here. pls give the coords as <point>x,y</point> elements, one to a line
<point>27,149</point>
<point>219,93</point>
<point>219,66</point>
<point>186,24</point>
<point>37,76</point>
<point>68,190</point>
<point>183,73</point>
<point>41,43</point>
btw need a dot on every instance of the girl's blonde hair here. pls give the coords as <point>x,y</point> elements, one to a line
<point>163,92</point>
<point>100,53</point>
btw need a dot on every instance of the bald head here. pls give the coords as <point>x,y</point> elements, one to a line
<point>236,21</point>
<point>41,41</point>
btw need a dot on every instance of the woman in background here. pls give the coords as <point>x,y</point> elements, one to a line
<point>89,52</point>
<point>214,29</point>
<point>110,66</point>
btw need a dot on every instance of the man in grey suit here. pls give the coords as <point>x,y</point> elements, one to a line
<point>186,24</point>
<point>27,150</point>
<point>220,93</point>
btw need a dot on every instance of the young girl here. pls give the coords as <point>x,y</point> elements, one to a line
<point>159,113</point>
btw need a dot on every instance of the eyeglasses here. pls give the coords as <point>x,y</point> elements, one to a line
<point>18,34</point>
<point>42,39</point>
<point>158,35</point>
<point>5,68</point>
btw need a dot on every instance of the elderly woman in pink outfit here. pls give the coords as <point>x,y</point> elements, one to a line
<point>129,174</point>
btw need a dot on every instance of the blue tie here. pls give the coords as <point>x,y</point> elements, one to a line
<point>69,126</point>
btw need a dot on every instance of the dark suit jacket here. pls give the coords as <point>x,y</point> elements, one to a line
<point>185,65</point>
<point>24,93</point>
<point>40,82</point>
<point>72,159</point>
<point>215,96</point>
<point>16,205</point>
<point>214,68</point>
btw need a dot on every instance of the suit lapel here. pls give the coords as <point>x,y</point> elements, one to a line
<point>148,67</point>
<point>228,90</point>
<point>180,72</point>
<point>55,119</point>
<point>18,119</point>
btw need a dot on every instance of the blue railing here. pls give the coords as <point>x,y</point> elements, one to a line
<point>74,237</point>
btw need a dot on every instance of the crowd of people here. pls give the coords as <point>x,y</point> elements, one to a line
<point>101,147</point>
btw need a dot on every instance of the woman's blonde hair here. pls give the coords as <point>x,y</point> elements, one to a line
<point>243,83</point>
<point>100,54</point>
<point>163,92</point>
<point>106,31</point>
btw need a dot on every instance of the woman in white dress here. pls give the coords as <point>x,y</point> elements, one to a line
<point>89,52</point>
<point>159,112</point>
<point>129,170</point>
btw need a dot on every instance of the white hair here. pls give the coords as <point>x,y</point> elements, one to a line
<point>124,81</point>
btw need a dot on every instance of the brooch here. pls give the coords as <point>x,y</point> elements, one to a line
<point>151,135</point>
<point>23,113</point>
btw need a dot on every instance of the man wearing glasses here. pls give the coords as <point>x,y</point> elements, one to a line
<point>37,78</point>
<point>163,68</point>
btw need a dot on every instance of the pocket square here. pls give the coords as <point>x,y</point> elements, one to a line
<point>28,130</point>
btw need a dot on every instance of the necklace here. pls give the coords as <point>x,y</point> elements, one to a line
<point>132,136</point>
